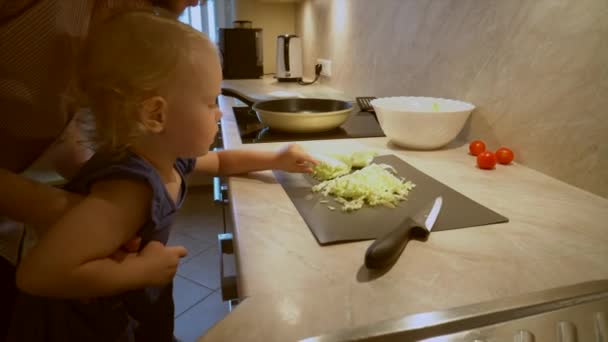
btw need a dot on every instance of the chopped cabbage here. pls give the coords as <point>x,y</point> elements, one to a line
<point>345,158</point>
<point>359,159</point>
<point>374,184</point>
<point>335,165</point>
<point>362,159</point>
<point>329,168</point>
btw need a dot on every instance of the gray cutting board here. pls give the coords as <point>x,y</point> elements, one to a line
<point>368,223</point>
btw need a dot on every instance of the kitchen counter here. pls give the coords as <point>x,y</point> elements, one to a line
<point>295,288</point>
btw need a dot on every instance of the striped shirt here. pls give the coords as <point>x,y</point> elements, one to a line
<point>39,43</point>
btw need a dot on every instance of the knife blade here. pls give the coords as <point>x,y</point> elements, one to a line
<point>386,249</point>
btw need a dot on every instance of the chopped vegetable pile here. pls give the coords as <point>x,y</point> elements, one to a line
<point>335,165</point>
<point>374,184</point>
<point>329,168</point>
<point>362,159</point>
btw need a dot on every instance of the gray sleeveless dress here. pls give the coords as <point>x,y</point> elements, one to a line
<point>140,315</point>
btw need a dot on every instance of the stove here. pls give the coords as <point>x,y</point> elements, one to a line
<point>359,125</point>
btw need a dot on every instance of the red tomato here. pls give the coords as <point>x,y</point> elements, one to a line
<point>476,147</point>
<point>504,155</point>
<point>486,160</point>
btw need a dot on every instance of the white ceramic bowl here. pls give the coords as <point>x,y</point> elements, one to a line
<point>421,122</point>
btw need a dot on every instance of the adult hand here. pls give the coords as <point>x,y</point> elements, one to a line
<point>130,247</point>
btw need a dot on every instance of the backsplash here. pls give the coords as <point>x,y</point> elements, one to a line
<point>537,70</point>
<point>274,17</point>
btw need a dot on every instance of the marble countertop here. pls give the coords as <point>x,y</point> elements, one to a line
<point>295,288</point>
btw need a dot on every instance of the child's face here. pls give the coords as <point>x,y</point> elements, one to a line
<point>192,112</point>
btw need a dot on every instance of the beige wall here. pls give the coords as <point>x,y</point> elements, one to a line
<point>274,18</point>
<point>536,69</point>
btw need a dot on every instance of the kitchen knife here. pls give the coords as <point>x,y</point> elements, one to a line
<point>387,249</point>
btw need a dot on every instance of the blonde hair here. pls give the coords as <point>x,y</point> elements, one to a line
<point>127,59</point>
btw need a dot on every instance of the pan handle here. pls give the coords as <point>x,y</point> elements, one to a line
<point>240,96</point>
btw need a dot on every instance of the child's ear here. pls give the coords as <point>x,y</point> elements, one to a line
<point>153,114</point>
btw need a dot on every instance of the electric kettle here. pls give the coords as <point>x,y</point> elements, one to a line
<point>289,58</point>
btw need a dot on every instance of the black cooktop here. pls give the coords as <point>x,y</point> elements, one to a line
<point>359,125</point>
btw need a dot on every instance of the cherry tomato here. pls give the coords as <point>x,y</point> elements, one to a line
<point>476,147</point>
<point>486,160</point>
<point>504,155</point>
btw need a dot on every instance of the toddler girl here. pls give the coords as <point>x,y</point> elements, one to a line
<point>151,83</point>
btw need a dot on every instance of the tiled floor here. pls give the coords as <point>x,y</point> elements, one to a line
<point>198,303</point>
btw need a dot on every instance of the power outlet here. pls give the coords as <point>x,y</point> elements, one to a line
<point>326,63</point>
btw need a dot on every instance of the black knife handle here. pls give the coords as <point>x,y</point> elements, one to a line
<point>387,249</point>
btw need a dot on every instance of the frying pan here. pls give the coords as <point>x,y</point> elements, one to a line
<point>297,115</point>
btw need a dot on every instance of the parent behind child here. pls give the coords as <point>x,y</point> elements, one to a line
<point>39,41</point>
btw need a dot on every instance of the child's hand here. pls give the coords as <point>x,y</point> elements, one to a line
<point>160,262</point>
<point>128,250</point>
<point>294,158</point>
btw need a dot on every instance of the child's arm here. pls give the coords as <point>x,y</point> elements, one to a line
<point>231,162</point>
<point>73,259</point>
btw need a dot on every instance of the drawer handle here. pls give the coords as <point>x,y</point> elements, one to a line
<point>566,332</point>
<point>601,327</point>
<point>220,191</point>
<point>228,282</point>
<point>523,336</point>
